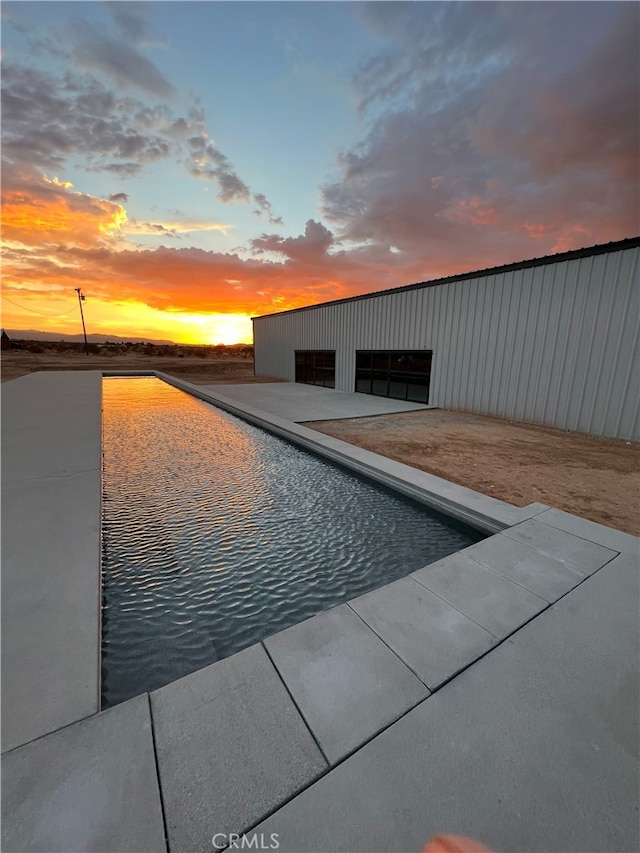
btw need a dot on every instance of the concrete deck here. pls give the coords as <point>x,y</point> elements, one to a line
<point>51,452</point>
<point>533,748</point>
<point>91,786</point>
<point>492,694</point>
<point>298,403</point>
<point>232,747</point>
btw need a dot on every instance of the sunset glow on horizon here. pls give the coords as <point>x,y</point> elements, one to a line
<point>191,165</point>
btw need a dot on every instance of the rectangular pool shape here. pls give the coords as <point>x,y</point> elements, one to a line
<point>217,533</point>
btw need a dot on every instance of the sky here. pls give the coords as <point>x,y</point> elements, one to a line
<point>189,165</point>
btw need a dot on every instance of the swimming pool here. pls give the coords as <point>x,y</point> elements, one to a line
<point>217,533</point>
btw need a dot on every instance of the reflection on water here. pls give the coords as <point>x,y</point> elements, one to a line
<point>217,534</point>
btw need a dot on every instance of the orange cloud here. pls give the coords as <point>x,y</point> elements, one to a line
<point>537,230</point>
<point>37,211</point>
<point>475,211</point>
<point>56,239</point>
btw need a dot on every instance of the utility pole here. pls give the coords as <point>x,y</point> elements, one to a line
<point>84,331</point>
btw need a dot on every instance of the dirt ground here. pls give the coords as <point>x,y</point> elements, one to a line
<point>519,463</point>
<point>197,370</point>
<point>596,478</point>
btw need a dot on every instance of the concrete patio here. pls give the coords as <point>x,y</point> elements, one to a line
<point>297,402</point>
<point>493,694</point>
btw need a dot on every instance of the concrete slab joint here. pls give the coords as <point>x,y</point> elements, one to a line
<point>91,786</point>
<point>346,682</point>
<point>534,747</point>
<point>231,747</point>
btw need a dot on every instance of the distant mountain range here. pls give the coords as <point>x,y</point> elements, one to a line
<point>34,335</point>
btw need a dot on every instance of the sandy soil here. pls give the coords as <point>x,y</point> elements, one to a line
<point>200,371</point>
<point>596,478</point>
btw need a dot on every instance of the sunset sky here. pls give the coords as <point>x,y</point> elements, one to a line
<point>191,164</point>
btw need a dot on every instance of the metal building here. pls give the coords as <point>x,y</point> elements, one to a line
<point>553,340</point>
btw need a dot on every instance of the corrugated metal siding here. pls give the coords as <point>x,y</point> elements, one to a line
<point>555,344</point>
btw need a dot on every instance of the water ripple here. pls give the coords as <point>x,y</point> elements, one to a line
<point>217,534</point>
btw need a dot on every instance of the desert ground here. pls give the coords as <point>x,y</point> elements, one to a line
<point>596,478</point>
<point>520,463</point>
<point>214,368</point>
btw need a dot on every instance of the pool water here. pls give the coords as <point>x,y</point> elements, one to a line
<point>217,534</point>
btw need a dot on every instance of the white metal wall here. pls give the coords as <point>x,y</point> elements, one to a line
<point>555,344</point>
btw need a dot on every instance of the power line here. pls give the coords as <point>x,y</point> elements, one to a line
<point>42,313</point>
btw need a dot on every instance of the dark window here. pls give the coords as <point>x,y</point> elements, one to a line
<point>363,372</point>
<point>316,367</point>
<point>403,375</point>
